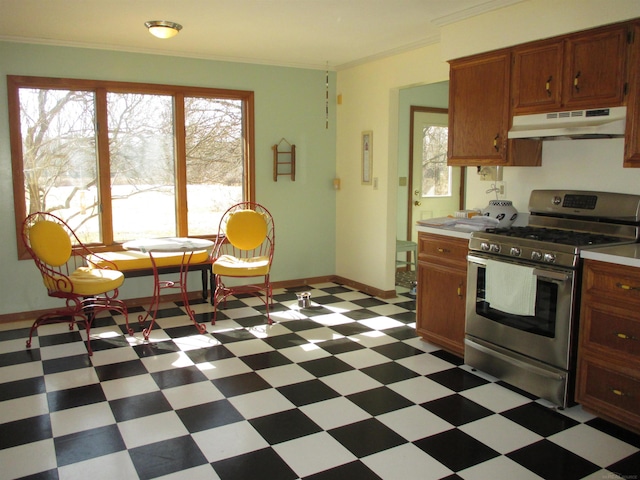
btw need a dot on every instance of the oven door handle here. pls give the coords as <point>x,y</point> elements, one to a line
<point>552,275</point>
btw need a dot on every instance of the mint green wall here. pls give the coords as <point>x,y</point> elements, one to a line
<point>434,95</point>
<point>289,103</point>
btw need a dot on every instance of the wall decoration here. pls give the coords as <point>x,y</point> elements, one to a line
<point>367,157</point>
<point>284,160</point>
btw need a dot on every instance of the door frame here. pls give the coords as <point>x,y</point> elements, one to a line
<point>412,111</point>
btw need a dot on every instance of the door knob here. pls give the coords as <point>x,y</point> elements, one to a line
<point>417,203</point>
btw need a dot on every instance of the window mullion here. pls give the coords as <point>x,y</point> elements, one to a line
<point>181,165</point>
<point>104,169</point>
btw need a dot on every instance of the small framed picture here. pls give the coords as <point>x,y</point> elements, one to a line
<point>367,157</point>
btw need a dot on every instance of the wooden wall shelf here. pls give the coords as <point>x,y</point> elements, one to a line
<point>284,160</point>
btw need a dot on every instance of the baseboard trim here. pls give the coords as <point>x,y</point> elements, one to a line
<point>145,301</point>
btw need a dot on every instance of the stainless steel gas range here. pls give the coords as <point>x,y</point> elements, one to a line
<point>523,287</point>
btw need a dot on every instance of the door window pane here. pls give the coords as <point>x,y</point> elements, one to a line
<point>436,175</point>
<point>215,156</point>
<point>143,180</point>
<point>59,157</point>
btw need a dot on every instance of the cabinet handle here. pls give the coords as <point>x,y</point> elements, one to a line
<point>619,393</point>
<point>627,287</point>
<point>443,250</point>
<point>624,336</point>
<point>495,142</point>
<point>460,291</point>
<point>547,85</point>
<point>575,81</point>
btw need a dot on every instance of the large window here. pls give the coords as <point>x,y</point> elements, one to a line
<point>436,175</point>
<point>120,161</point>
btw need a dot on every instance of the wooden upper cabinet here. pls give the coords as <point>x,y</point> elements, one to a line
<point>536,84</point>
<point>594,68</point>
<point>479,109</point>
<point>632,143</point>
<point>585,70</point>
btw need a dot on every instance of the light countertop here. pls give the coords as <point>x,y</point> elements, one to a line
<point>457,232</point>
<point>619,254</point>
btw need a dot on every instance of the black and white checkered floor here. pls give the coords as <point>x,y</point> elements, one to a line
<point>342,390</point>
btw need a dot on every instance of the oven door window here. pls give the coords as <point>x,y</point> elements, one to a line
<point>544,321</point>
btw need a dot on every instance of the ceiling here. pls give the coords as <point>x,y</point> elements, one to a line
<point>330,34</point>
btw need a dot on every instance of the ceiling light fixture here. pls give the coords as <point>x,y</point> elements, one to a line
<point>162,28</point>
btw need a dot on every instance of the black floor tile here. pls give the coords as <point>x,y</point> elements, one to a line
<point>379,400</point>
<point>456,450</point>
<point>321,367</point>
<point>361,314</point>
<point>457,379</point>
<point>304,393</point>
<point>540,419</point>
<point>22,388</point>
<point>166,457</point>
<point>178,376</point>
<point>552,462</point>
<point>152,349</point>
<point>340,345</point>
<point>75,397</point>
<point>88,444</point>
<point>240,384</point>
<point>390,372</point>
<point>353,328</point>
<point>397,350</point>
<point>126,369</point>
<point>21,356</point>
<point>285,341</point>
<point>284,426</point>
<point>301,325</point>
<point>627,467</point>
<point>456,409</point>
<point>210,354</point>
<point>349,471</point>
<point>366,437</point>
<point>137,406</point>
<point>209,415</point>
<point>20,432</point>
<point>260,361</point>
<point>258,465</point>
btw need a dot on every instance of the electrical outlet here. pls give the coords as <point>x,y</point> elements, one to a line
<point>502,189</point>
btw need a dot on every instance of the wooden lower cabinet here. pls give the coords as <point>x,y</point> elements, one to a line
<point>442,281</point>
<point>608,382</point>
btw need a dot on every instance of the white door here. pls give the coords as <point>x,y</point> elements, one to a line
<point>435,189</point>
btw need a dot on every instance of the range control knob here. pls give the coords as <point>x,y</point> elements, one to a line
<point>536,255</point>
<point>515,251</point>
<point>495,248</point>
<point>550,257</point>
<point>484,246</point>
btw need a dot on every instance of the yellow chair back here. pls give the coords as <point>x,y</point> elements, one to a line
<point>246,229</point>
<point>50,242</point>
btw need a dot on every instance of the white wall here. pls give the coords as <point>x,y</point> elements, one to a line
<point>366,218</point>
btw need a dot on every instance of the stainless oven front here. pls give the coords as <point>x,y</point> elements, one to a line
<point>534,352</point>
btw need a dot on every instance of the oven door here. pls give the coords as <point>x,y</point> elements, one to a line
<point>546,336</point>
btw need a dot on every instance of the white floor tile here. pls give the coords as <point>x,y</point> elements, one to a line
<point>498,468</point>
<point>420,389</point>
<point>303,353</point>
<point>167,361</point>
<point>424,364</point>
<point>78,419</point>
<point>500,433</point>
<point>406,462</point>
<point>334,413</point>
<point>229,441</point>
<point>28,459</point>
<point>285,375</point>
<point>352,381</point>
<point>223,368</point>
<point>192,394</point>
<point>592,444</point>
<point>107,467</point>
<point>414,423</point>
<point>261,403</point>
<point>70,379</point>
<point>249,347</point>
<point>128,386</point>
<point>495,397</point>
<point>23,407</point>
<point>362,358</point>
<point>313,453</point>
<point>151,429</point>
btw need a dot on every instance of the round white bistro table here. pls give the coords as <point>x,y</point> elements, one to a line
<point>186,246</point>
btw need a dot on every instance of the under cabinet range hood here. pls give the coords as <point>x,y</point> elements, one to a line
<point>575,124</point>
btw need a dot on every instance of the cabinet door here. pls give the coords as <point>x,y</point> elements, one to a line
<point>536,84</point>
<point>441,306</point>
<point>479,109</point>
<point>632,136</point>
<point>594,69</point>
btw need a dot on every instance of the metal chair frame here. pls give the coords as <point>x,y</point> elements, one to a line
<point>223,246</point>
<point>78,308</point>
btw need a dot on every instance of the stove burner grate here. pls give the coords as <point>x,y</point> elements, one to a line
<point>552,235</point>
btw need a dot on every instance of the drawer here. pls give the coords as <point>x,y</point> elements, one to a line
<point>609,386</point>
<point>606,279</point>
<point>437,248</point>
<point>611,328</point>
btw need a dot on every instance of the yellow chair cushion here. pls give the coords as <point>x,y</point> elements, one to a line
<point>132,260</point>
<point>88,281</point>
<point>246,229</point>
<point>50,242</point>
<point>228,265</point>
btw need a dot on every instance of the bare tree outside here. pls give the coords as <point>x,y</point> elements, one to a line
<point>60,160</point>
<point>436,180</point>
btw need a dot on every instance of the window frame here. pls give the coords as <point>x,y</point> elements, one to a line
<point>100,89</point>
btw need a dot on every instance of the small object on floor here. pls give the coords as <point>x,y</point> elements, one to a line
<point>414,288</point>
<point>304,299</point>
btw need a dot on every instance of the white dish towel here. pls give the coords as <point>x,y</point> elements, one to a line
<point>510,288</point>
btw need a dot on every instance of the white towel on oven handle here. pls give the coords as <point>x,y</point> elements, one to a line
<point>510,288</point>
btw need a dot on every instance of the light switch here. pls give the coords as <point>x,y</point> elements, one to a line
<point>402,181</point>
